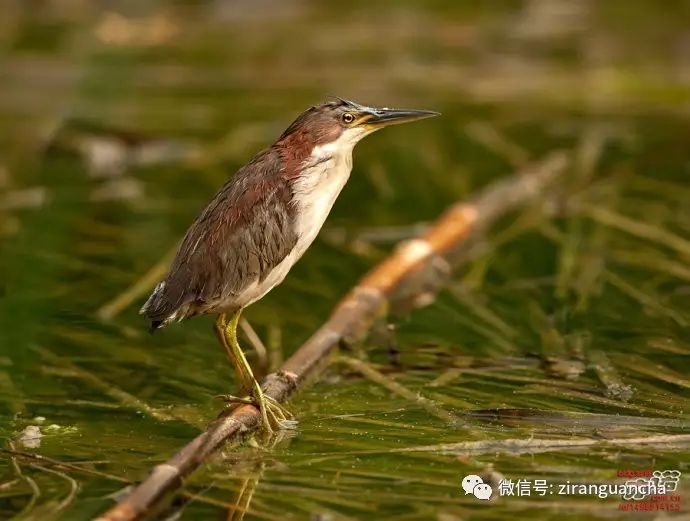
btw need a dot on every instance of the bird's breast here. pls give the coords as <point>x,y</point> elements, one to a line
<point>314,194</point>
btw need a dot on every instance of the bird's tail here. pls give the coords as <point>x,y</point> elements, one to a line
<point>160,309</point>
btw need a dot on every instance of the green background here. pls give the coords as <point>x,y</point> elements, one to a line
<point>118,123</point>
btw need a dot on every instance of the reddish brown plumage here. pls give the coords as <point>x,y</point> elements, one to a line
<point>242,234</point>
<point>315,126</point>
<point>246,230</point>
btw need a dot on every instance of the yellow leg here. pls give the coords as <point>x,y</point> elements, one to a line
<point>245,375</point>
<point>273,415</point>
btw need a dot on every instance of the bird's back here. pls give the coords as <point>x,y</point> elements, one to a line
<point>237,241</point>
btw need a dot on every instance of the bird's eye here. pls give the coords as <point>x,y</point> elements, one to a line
<point>348,118</point>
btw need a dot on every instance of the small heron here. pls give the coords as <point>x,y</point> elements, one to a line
<point>260,223</point>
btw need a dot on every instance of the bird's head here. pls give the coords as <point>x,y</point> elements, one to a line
<point>340,123</point>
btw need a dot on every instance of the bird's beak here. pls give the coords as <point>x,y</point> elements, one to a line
<point>383,117</point>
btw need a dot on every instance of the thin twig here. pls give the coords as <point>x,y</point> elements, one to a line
<point>377,377</point>
<point>44,462</point>
<point>643,298</point>
<point>35,491</point>
<point>73,486</point>
<point>482,311</point>
<point>641,365</point>
<point>39,459</point>
<point>533,445</point>
<point>123,397</point>
<point>351,319</point>
<point>607,373</point>
<point>639,229</point>
<point>113,308</point>
<point>488,135</point>
<point>656,263</point>
<point>275,347</point>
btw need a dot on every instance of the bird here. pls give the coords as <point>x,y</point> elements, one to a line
<point>259,224</point>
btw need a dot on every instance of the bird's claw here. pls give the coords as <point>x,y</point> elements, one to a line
<point>274,417</point>
<point>279,415</point>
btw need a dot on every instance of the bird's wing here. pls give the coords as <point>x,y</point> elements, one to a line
<point>243,233</point>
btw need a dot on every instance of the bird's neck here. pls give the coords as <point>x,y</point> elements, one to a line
<point>322,177</point>
<point>300,151</point>
<point>324,171</point>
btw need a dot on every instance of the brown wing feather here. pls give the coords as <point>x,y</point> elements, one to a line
<point>244,232</point>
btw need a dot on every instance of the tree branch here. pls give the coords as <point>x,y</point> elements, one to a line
<point>405,271</point>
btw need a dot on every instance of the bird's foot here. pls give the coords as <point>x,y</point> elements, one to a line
<point>274,417</point>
